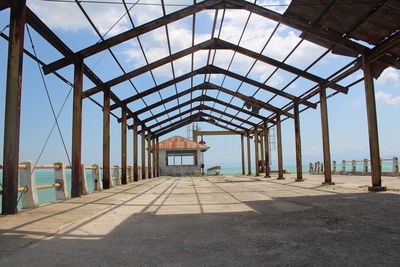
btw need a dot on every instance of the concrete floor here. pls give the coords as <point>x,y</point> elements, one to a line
<point>228,220</point>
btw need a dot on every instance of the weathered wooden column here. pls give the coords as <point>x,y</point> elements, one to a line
<point>13,108</point>
<point>299,167</point>
<point>135,151</point>
<point>266,151</point>
<point>153,150</point>
<point>248,155</point>
<point>256,152</point>
<point>143,167</point>
<point>149,172</point>
<point>325,137</point>
<point>76,171</point>
<point>158,157</point>
<point>106,140</point>
<point>242,151</point>
<point>372,128</point>
<point>124,179</point>
<point>261,142</point>
<point>279,147</point>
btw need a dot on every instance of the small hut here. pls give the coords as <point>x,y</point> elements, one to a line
<point>180,156</point>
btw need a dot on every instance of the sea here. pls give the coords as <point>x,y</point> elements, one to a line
<point>44,177</point>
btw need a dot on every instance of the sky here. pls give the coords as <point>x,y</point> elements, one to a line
<point>347,113</point>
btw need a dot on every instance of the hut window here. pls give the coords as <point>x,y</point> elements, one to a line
<point>176,158</point>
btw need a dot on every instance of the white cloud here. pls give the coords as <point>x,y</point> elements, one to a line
<point>389,76</point>
<point>387,98</point>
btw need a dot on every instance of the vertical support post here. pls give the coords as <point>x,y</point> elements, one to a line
<point>59,178</point>
<point>13,108</point>
<point>353,166</point>
<point>325,137</point>
<point>158,157</point>
<point>299,167</point>
<point>365,166</point>
<point>343,167</point>
<point>124,179</point>
<point>334,166</point>
<point>149,174</point>
<point>256,153</point>
<point>84,189</point>
<point>248,155</point>
<point>262,153</point>
<point>395,168</point>
<point>28,180</point>
<point>76,172</point>
<point>153,150</point>
<point>242,152</point>
<point>279,144</point>
<point>116,175</point>
<point>372,128</point>
<point>311,168</point>
<point>97,182</point>
<point>107,183</point>
<point>266,151</point>
<point>135,151</point>
<point>143,167</point>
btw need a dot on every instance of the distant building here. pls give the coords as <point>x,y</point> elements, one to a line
<point>180,156</point>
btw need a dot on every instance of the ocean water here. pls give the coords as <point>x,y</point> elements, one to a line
<point>47,177</point>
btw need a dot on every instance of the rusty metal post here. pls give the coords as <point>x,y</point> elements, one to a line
<point>158,157</point>
<point>135,151</point>
<point>149,174</point>
<point>248,155</point>
<point>262,152</point>
<point>266,151</point>
<point>153,150</point>
<point>13,108</point>
<point>372,128</point>
<point>124,179</point>
<point>325,138</point>
<point>279,144</point>
<point>76,172</point>
<point>242,152</point>
<point>256,153</point>
<point>299,167</point>
<point>106,141</point>
<point>143,167</point>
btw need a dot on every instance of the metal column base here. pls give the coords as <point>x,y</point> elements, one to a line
<point>280,178</point>
<point>299,180</point>
<point>328,183</point>
<point>376,188</point>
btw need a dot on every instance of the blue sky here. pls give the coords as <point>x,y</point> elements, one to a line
<point>347,113</point>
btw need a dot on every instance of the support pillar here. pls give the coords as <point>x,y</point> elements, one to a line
<point>266,151</point>
<point>325,138</point>
<point>149,172</point>
<point>256,152</point>
<point>106,140</point>
<point>124,179</point>
<point>135,151</point>
<point>76,172</point>
<point>143,167</point>
<point>248,155</point>
<point>299,167</point>
<point>153,150</point>
<point>372,128</point>
<point>13,107</point>
<point>158,157</point>
<point>242,152</point>
<point>279,147</point>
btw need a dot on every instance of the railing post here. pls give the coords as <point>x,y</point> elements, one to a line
<point>353,166</point>
<point>28,180</point>
<point>13,107</point>
<point>365,166</point>
<point>97,182</point>
<point>316,167</point>
<point>84,188</point>
<point>116,175</point>
<point>60,178</point>
<point>130,174</point>
<point>343,166</point>
<point>334,166</point>
<point>311,168</point>
<point>395,168</point>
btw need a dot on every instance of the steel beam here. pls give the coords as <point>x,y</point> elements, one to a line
<point>325,137</point>
<point>266,151</point>
<point>279,147</point>
<point>135,151</point>
<point>107,182</point>
<point>124,129</point>
<point>299,166</point>
<point>248,155</point>
<point>242,153</point>
<point>143,167</point>
<point>256,159</point>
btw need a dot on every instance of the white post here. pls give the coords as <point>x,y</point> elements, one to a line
<point>116,175</point>
<point>353,166</point>
<point>139,173</point>
<point>60,178</point>
<point>28,179</point>
<point>130,174</point>
<point>334,166</point>
<point>365,167</point>
<point>343,166</point>
<point>97,182</point>
<point>311,168</point>
<point>321,167</point>
<point>395,168</point>
<point>84,182</point>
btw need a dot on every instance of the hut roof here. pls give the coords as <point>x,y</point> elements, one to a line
<point>179,142</point>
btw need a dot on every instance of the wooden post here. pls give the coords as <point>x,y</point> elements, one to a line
<point>299,167</point>
<point>242,151</point>
<point>76,172</point>
<point>124,179</point>
<point>143,167</point>
<point>372,128</point>
<point>248,155</point>
<point>256,152</point>
<point>13,108</point>
<point>106,141</point>
<point>325,138</point>
<point>135,151</point>
<point>158,157</point>
<point>153,150</point>
<point>279,144</point>
<point>266,151</point>
<point>149,156</point>
<point>262,151</point>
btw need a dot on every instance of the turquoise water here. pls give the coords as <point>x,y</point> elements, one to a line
<point>47,177</point>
